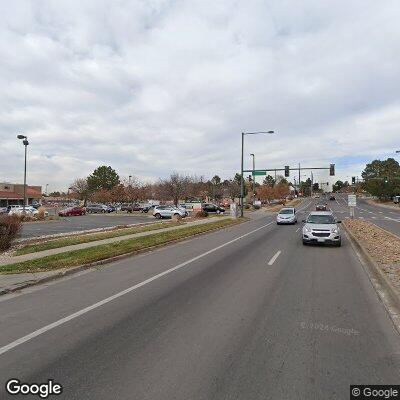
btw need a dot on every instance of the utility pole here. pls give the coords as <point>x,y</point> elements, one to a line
<point>25,143</point>
<point>254,178</point>
<point>312,183</point>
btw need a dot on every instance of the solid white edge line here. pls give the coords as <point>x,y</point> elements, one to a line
<point>274,257</point>
<point>85,310</point>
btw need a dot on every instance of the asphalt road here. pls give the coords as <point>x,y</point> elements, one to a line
<point>244,313</point>
<point>81,223</point>
<point>384,217</point>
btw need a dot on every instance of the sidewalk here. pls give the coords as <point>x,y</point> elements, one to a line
<point>11,282</point>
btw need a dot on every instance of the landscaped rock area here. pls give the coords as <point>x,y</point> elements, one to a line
<point>382,246</point>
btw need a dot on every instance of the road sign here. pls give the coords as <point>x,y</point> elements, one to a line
<point>259,173</point>
<point>352,200</point>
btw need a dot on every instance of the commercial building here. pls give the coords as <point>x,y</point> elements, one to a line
<point>13,193</point>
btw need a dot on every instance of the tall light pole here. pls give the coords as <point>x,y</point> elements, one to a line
<point>25,143</point>
<point>241,169</point>
<point>130,177</point>
<point>254,177</point>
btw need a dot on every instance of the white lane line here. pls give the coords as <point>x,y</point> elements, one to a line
<point>85,310</point>
<point>275,256</point>
<point>297,229</point>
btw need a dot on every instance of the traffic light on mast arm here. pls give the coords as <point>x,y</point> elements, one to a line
<point>287,172</point>
<point>332,170</point>
<point>353,180</point>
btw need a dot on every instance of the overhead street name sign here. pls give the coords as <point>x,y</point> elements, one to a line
<point>259,173</point>
<point>352,200</point>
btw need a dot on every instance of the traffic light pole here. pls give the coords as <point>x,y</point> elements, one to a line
<point>242,180</point>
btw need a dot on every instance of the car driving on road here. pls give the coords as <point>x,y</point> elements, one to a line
<point>321,207</point>
<point>286,215</point>
<point>321,227</point>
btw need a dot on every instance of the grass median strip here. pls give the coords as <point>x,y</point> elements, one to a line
<point>92,237</point>
<point>102,252</point>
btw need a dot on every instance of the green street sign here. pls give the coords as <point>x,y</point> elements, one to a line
<point>259,173</point>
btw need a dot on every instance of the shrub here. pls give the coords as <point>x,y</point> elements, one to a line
<point>41,213</point>
<point>201,214</point>
<point>176,217</point>
<point>10,227</point>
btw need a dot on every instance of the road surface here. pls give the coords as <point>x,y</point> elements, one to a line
<point>243,313</point>
<point>384,217</point>
<point>81,223</point>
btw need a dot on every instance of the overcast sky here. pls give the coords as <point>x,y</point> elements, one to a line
<point>151,87</point>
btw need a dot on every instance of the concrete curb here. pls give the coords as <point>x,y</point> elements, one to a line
<point>385,290</point>
<point>79,268</point>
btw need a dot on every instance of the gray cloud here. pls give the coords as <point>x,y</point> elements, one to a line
<point>154,86</point>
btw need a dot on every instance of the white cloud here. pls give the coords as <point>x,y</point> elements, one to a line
<point>154,86</point>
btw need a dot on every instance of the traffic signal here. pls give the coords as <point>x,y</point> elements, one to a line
<point>386,180</point>
<point>287,172</point>
<point>332,170</point>
<point>353,180</point>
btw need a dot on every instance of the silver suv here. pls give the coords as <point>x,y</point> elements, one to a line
<point>168,212</point>
<point>321,227</point>
<point>286,215</point>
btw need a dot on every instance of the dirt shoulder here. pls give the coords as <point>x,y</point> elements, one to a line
<point>382,247</point>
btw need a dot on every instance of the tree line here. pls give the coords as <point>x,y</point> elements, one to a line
<point>104,185</point>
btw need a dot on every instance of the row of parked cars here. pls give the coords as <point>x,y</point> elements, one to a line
<point>159,211</point>
<point>19,210</point>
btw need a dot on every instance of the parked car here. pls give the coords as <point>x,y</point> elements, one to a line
<point>97,208</point>
<point>211,208</point>
<point>18,210</point>
<point>131,207</point>
<point>286,215</point>
<point>72,211</point>
<point>320,207</point>
<point>168,212</point>
<point>148,208</point>
<point>111,208</point>
<point>321,227</point>
<point>332,197</point>
<point>3,210</point>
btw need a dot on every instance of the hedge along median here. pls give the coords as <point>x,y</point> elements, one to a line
<point>92,237</point>
<point>103,252</point>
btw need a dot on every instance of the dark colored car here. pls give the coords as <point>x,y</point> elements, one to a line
<point>111,208</point>
<point>210,208</point>
<point>147,208</point>
<point>320,207</point>
<point>332,197</point>
<point>72,211</point>
<point>131,207</point>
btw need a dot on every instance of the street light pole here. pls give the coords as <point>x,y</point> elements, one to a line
<point>25,143</point>
<point>254,177</point>
<point>241,170</point>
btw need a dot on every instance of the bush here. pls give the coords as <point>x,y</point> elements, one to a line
<point>176,217</point>
<point>201,214</point>
<point>10,227</point>
<point>41,213</point>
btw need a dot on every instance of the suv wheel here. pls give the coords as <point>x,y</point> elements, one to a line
<point>158,216</point>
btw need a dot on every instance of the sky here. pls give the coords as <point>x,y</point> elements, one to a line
<point>151,87</point>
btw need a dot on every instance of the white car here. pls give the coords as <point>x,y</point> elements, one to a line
<point>286,215</point>
<point>321,227</point>
<point>28,210</point>
<point>168,212</point>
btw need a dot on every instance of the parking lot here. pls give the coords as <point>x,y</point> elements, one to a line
<point>82,223</point>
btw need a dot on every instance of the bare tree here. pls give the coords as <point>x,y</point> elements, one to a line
<point>176,187</point>
<point>80,189</point>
